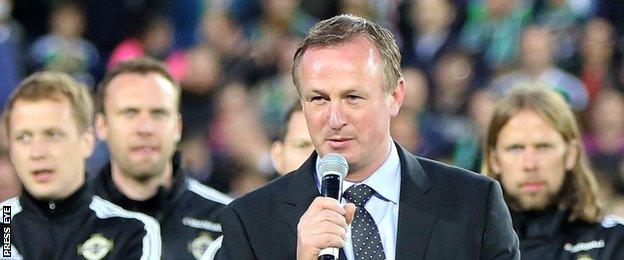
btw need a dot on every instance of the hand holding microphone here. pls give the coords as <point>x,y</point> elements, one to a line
<point>322,228</point>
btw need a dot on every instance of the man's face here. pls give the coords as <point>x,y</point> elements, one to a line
<point>46,147</point>
<point>296,147</point>
<point>531,158</point>
<point>141,124</point>
<point>346,107</point>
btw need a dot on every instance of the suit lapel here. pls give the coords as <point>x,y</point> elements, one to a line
<point>417,208</point>
<point>300,193</point>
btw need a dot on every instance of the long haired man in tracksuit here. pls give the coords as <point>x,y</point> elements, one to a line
<point>533,147</point>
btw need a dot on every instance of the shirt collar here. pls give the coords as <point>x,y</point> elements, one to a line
<point>386,181</point>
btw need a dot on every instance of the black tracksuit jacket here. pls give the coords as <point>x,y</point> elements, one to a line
<point>188,212</point>
<point>549,235</point>
<point>81,226</point>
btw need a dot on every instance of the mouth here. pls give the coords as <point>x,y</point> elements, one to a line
<point>338,143</point>
<point>43,175</point>
<point>532,187</point>
<point>144,149</point>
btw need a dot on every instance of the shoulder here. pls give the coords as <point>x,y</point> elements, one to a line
<point>131,222</point>
<point>200,191</point>
<point>11,202</point>
<point>264,196</point>
<point>612,221</point>
<point>14,204</point>
<point>104,209</point>
<point>445,172</point>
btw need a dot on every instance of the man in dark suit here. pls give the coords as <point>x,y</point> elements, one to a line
<point>347,72</point>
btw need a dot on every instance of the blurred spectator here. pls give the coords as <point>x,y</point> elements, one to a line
<point>537,66</point>
<point>110,22</point>
<point>243,133</point>
<point>492,30</point>
<point>63,49</point>
<point>273,96</point>
<point>597,56</point>
<point>565,18</point>
<point>405,127</point>
<point>186,16</point>
<point>467,151</point>
<point>429,34</point>
<point>280,18</point>
<point>294,145</point>
<point>202,76</point>
<point>446,121</point>
<point>384,13</point>
<point>613,11</point>
<point>11,62</point>
<point>220,33</point>
<point>605,140</point>
<point>154,39</point>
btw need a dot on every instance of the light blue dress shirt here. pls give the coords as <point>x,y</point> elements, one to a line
<point>383,206</point>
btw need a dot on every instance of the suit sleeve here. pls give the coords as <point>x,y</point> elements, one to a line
<point>236,244</point>
<point>499,239</point>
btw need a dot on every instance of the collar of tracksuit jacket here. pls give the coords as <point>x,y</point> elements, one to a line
<point>60,209</point>
<point>153,206</point>
<point>539,224</point>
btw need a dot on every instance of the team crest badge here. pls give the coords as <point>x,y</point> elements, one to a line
<point>96,247</point>
<point>199,245</point>
<point>584,257</point>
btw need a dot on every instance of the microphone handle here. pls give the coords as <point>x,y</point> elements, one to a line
<point>327,257</point>
<point>331,186</point>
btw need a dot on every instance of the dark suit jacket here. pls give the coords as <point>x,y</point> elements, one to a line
<point>444,213</point>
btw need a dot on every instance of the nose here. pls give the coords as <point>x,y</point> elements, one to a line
<point>336,118</point>
<point>145,125</point>
<point>529,160</point>
<point>38,150</point>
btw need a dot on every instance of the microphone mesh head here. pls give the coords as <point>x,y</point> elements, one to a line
<point>334,162</point>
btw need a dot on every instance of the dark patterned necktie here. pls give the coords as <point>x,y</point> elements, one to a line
<point>364,233</point>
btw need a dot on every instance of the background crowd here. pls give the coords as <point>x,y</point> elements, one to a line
<point>233,60</point>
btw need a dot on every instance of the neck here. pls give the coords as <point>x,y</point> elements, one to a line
<point>360,173</point>
<point>141,189</point>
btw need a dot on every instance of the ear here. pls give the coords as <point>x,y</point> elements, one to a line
<point>276,156</point>
<point>572,154</point>
<point>396,97</point>
<point>494,165</point>
<point>87,143</point>
<point>100,126</point>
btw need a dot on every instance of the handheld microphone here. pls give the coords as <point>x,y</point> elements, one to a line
<point>334,168</point>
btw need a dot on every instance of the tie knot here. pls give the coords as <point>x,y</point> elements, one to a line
<point>359,194</point>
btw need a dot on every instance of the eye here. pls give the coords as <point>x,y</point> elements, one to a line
<point>129,112</point>
<point>353,98</point>
<point>160,113</point>
<point>54,134</point>
<point>514,148</point>
<point>317,100</point>
<point>543,146</point>
<point>23,138</point>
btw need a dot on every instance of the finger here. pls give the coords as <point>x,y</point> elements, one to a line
<point>328,228</point>
<point>333,217</point>
<point>331,240</point>
<point>349,212</point>
<point>327,203</point>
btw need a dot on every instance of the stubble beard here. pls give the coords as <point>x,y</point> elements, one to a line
<point>533,202</point>
<point>143,171</point>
